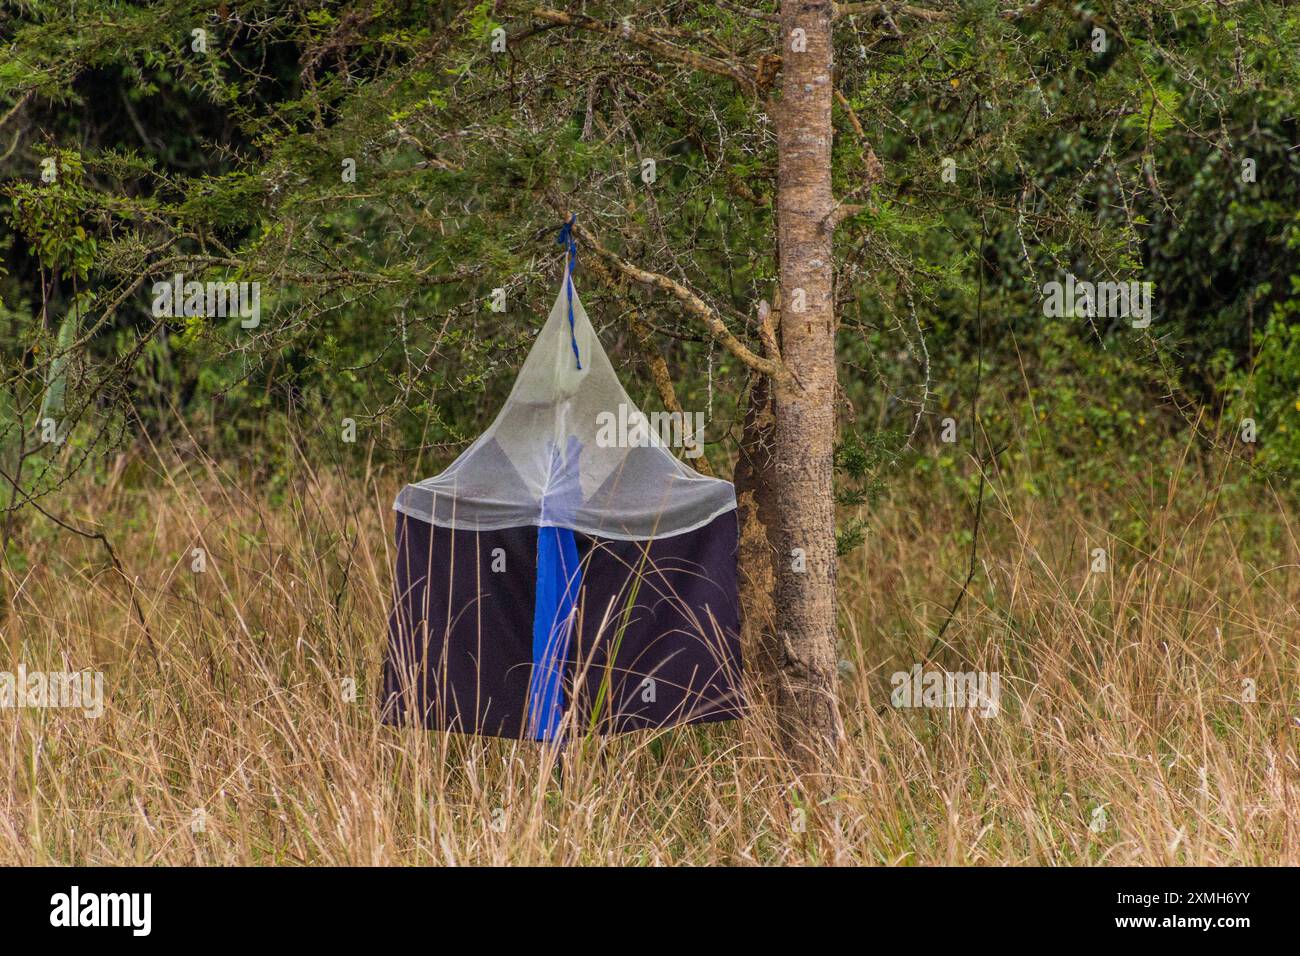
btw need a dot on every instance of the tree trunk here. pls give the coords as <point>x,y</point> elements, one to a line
<point>756,508</point>
<point>803,434</point>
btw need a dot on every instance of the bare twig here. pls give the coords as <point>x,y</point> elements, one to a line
<point>646,40</point>
<point>693,305</point>
<point>112,557</point>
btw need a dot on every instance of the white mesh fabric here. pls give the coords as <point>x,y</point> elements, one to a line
<point>541,463</point>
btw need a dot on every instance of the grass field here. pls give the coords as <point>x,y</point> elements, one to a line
<point>1125,732</point>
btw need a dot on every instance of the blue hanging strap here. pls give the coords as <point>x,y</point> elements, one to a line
<point>565,238</point>
<point>559,577</point>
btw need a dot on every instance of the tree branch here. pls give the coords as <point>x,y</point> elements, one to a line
<point>841,212</point>
<point>18,105</point>
<point>924,14</point>
<point>748,12</point>
<point>112,557</point>
<point>654,358</point>
<point>875,169</point>
<point>891,10</point>
<point>693,305</point>
<point>648,41</point>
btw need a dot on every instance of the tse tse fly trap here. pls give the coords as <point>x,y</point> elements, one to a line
<point>561,576</point>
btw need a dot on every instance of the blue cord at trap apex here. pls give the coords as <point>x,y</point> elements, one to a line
<point>565,238</point>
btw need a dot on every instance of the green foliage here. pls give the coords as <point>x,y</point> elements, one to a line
<point>50,216</point>
<point>1268,393</point>
<point>860,459</point>
<point>228,165</point>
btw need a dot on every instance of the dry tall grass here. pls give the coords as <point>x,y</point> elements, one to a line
<point>1122,735</point>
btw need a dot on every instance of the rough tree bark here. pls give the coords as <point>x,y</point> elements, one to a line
<point>803,407</point>
<point>756,564</point>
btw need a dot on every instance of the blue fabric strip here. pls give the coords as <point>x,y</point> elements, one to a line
<point>559,576</point>
<point>565,238</point>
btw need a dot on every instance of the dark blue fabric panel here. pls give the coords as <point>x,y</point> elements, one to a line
<point>654,640</point>
<point>460,647</point>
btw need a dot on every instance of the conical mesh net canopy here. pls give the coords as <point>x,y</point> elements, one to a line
<point>558,454</point>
